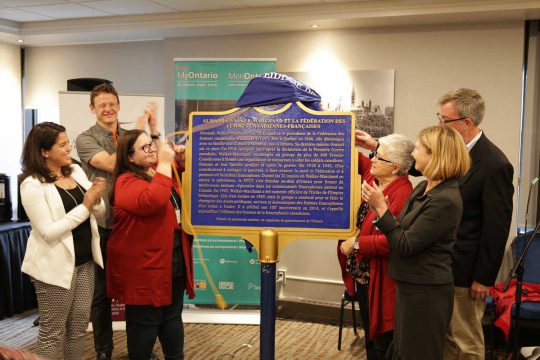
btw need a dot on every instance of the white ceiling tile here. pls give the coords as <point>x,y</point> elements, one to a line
<point>65,11</point>
<point>270,3</point>
<point>199,5</point>
<point>18,3</point>
<point>128,7</point>
<point>14,14</point>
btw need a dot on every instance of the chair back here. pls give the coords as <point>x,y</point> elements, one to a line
<point>531,263</point>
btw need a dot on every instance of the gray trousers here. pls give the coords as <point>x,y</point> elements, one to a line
<point>64,314</point>
<point>421,322</point>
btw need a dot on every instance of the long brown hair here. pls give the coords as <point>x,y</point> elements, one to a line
<point>43,136</point>
<point>123,165</point>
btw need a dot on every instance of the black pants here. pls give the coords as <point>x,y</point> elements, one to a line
<point>423,314</point>
<point>375,349</point>
<point>101,304</point>
<point>145,323</point>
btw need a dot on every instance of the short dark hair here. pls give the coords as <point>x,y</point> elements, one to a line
<point>43,136</point>
<point>103,89</point>
<point>123,165</point>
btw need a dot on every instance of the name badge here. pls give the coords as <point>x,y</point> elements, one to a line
<point>178,216</point>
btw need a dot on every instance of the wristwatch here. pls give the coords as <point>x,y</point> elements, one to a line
<point>356,245</point>
<point>155,136</point>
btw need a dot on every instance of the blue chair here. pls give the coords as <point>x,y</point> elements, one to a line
<point>529,319</point>
<point>345,300</point>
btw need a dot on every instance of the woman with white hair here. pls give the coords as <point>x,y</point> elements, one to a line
<point>364,258</point>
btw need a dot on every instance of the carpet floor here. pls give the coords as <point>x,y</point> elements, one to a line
<point>293,340</point>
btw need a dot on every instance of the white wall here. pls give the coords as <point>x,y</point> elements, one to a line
<point>428,62</point>
<point>134,67</point>
<point>11,119</point>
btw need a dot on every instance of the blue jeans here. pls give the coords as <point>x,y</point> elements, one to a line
<point>145,323</point>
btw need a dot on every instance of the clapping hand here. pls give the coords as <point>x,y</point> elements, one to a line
<point>93,194</point>
<point>375,198</point>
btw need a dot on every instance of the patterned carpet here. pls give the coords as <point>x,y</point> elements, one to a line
<point>294,340</point>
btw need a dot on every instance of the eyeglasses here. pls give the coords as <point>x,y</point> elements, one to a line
<point>147,147</point>
<point>379,158</point>
<point>448,121</point>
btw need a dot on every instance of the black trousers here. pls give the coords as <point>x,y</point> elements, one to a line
<point>145,323</point>
<point>423,314</point>
<point>377,348</point>
<point>101,304</point>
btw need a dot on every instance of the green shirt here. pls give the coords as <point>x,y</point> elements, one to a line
<point>89,143</point>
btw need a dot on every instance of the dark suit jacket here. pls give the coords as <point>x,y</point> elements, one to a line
<point>487,192</point>
<point>421,239</point>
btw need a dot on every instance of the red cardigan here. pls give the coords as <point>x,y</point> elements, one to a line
<point>140,248</point>
<point>382,289</point>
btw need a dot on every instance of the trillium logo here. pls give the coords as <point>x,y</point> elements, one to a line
<point>226,285</point>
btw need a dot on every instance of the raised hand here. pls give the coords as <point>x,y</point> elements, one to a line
<point>151,110</point>
<point>363,139</point>
<point>165,154</point>
<point>179,154</point>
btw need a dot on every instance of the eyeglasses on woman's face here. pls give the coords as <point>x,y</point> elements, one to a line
<point>147,147</point>
<point>379,158</point>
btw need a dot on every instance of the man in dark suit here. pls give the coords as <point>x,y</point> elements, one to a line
<point>487,193</point>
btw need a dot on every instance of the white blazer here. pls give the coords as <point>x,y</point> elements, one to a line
<point>50,253</point>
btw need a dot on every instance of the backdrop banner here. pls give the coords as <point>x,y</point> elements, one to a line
<point>216,85</point>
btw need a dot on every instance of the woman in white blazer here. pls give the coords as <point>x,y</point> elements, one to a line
<point>63,247</point>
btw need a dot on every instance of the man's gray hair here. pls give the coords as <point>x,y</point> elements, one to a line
<point>399,150</point>
<point>468,102</point>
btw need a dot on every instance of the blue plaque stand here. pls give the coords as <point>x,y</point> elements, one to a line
<point>268,258</point>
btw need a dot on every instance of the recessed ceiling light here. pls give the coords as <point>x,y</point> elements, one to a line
<point>314,26</point>
<point>20,41</point>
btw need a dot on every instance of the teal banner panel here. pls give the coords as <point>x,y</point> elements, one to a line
<point>216,79</point>
<point>235,271</point>
<point>216,85</point>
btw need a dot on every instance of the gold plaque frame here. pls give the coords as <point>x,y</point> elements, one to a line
<point>285,234</point>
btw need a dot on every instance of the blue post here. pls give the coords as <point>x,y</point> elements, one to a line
<point>268,311</point>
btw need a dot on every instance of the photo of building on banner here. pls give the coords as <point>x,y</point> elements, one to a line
<point>216,85</point>
<point>368,94</point>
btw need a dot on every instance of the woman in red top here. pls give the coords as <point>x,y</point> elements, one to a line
<point>149,258</point>
<point>364,259</point>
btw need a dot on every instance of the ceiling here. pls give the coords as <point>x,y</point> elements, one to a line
<point>56,22</point>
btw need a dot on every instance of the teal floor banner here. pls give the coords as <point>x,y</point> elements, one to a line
<point>216,85</point>
<point>234,270</point>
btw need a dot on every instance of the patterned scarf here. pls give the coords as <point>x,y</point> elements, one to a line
<point>359,270</point>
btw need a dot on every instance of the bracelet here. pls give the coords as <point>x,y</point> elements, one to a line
<point>155,137</point>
